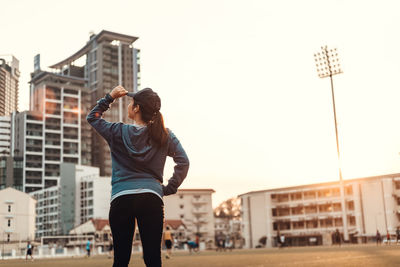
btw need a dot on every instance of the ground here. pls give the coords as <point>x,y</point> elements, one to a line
<point>359,255</point>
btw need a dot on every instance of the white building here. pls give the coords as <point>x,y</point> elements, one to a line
<point>194,208</point>
<point>5,135</point>
<point>17,216</point>
<point>309,214</point>
<point>81,196</point>
<point>84,195</point>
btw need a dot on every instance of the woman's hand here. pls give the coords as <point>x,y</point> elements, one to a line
<point>118,91</point>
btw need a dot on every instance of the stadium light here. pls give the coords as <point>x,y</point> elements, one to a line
<point>327,63</point>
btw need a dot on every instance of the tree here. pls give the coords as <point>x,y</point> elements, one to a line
<point>229,209</point>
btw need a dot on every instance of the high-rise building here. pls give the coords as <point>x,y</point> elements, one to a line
<point>310,214</point>
<point>52,132</point>
<point>9,77</point>
<point>110,59</point>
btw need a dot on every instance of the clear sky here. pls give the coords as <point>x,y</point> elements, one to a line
<point>238,81</point>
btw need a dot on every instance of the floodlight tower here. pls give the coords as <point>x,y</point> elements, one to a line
<point>327,62</point>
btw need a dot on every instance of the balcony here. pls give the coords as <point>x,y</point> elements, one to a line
<point>199,211</point>
<point>199,201</point>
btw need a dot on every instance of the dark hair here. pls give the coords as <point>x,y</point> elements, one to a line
<point>150,103</point>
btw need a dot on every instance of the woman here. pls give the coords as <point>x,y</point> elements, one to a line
<point>138,153</point>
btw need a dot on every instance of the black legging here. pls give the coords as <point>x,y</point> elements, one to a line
<point>148,210</point>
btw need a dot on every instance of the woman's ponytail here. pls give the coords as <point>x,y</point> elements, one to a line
<point>150,104</point>
<point>157,132</point>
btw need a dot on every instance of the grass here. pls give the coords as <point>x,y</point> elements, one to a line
<point>359,255</point>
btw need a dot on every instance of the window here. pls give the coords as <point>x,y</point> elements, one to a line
<point>181,206</point>
<point>9,208</point>
<point>9,223</point>
<point>8,237</point>
<point>182,216</point>
<point>181,196</point>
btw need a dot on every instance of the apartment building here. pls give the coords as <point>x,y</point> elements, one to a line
<point>309,214</point>
<point>17,216</point>
<point>82,195</point>
<point>110,60</point>
<point>48,209</point>
<point>9,78</point>
<point>5,135</point>
<point>52,132</point>
<point>11,172</point>
<point>194,208</point>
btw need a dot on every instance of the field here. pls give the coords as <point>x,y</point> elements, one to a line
<point>366,255</point>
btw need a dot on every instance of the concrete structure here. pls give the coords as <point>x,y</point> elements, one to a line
<point>52,132</point>
<point>194,208</point>
<point>48,208</point>
<point>99,228</point>
<point>17,216</point>
<point>5,135</point>
<point>309,214</point>
<point>9,78</point>
<point>82,195</point>
<point>110,60</point>
<point>11,172</point>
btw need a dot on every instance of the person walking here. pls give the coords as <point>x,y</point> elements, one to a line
<point>88,247</point>
<point>168,242</point>
<point>138,153</point>
<point>29,251</point>
<point>388,239</point>
<point>378,238</point>
<point>338,237</point>
<point>110,248</point>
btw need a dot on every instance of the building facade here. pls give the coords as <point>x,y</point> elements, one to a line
<point>309,214</point>
<point>52,132</point>
<point>48,209</point>
<point>110,60</point>
<point>9,78</point>
<point>5,135</point>
<point>17,216</point>
<point>194,208</point>
<point>84,195</point>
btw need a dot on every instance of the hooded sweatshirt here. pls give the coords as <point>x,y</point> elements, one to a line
<point>138,165</point>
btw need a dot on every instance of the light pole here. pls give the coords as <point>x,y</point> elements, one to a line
<point>327,62</point>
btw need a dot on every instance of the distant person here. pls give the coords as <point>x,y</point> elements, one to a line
<point>282,237</point>
<point>110,248</point>
<point>338,237</point>
<point>378,238</point>
<point>397,235</point>
<point>228,243</point>
<point>197,240</point>
<point>192,246</point>
<point>168,242</point>
<point>388,239</point>
<point>220,241</point>
<point>278,239</point>
<point>88,247</point>
<point>29,251</point>
<point>138,153</point>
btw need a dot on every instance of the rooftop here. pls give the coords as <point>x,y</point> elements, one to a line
<point>315,186</point>
<point>100,37</point>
